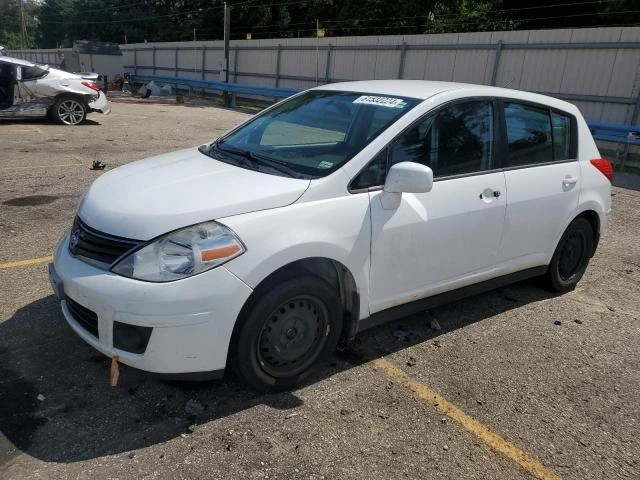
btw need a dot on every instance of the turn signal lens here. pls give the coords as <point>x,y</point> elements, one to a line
<point>218,253</point>
<point>604,166</point>
<point>91,85</point>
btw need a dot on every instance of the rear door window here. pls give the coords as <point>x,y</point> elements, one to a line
<point>33,72</point>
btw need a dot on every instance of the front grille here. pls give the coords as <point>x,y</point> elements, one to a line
<point>87,242</point>
<point>86,318</point>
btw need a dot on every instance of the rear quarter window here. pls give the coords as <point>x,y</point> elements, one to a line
<point>529,137</point>
<point>562,135</point>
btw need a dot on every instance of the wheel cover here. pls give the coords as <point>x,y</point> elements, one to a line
<point>71,112</point>
<point>293,336</point>
<point>572,255</point>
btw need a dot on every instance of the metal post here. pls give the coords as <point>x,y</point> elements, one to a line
<point>278,54</point>
<point>154,61</point>
<point>279,51</point>
<point>327,67</point>
<point>203,62</point>
<point>204,65</point>
<point>403,54</point>
<point>317,49</point>
<point>235,65</point>
<point>135,61</point>
<point>496,63</point>
<point>634,120</point>
<point>227,27</point>
<point>175,62</point>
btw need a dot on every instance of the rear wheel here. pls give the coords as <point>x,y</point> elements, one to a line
<point>571,257</point>
<point>291,328</point>
<point>68,111</point>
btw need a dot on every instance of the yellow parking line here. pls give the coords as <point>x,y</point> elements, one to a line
<point>43,166</point>
<point>495,442</point>
<point>14,129</point>
<point>22,263</point>
<point>83,161</point>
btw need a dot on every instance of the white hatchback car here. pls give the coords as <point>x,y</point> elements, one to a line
<point>335,210</point>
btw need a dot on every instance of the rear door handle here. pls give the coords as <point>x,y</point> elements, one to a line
<point>570,180</point>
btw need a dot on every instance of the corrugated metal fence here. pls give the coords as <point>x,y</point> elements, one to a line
<point>596,68</point>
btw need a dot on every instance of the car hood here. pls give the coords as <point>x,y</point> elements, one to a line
<point>151,197</point>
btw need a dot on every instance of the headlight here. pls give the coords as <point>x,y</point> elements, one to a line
<point>182,253</point>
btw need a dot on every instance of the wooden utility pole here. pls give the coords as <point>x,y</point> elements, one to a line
<point>227,31</point>
<point>23,27</point>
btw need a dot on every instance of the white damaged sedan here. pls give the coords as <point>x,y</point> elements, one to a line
<point>32,90</point>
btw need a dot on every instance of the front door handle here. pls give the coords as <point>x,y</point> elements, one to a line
<point>488,193</point>
<point>570,180</point>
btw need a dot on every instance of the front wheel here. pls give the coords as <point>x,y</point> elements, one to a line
<point>69,111</point>
<point>290,328</point>
<point>571,257</point>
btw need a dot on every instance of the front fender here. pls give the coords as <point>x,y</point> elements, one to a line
<point>336,229</point>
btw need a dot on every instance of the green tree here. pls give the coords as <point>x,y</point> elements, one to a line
<point>11,33</point>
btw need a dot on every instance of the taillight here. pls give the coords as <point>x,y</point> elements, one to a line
<point>604,166</point>
<point>91,85</point>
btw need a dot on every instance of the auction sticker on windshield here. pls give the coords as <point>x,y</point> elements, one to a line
<point>381,101</point>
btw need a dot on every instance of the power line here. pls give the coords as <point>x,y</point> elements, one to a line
<point>252,4</point>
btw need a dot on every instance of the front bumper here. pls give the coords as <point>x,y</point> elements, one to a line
<point>101,105</point>
<point>192,319</point>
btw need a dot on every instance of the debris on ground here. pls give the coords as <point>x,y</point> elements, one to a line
<point>97,165</point>
<point>114,372</point>
<point>445,447</point>
<point>579,322</point>
<point>400,334</point>
<point>611,309</point>
<point>434,325</point>
<point>41,397</point>
<point>193,408</point>
<point>411,362</point>
<point>291,415</point>
<point>436,343</point>
<point>345,411</point>
<point>557,322</point>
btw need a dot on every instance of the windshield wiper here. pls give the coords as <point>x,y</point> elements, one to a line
<point>260,159</point>
<point>207,150</point>
<point>276,165</point>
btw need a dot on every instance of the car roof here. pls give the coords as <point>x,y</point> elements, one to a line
<point>17,61</point>
<point>424,89</point>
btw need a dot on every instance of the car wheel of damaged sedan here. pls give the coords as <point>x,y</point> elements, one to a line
<point>69,111</point>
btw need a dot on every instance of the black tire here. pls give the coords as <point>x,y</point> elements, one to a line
<point>571,257</point>
<point>289,329</point>
<point>69,110</point>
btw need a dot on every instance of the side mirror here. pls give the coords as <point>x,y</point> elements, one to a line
<point>406,177</point>
<point>409,177</point>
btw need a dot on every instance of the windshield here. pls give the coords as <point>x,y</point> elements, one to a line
<point>313,134</point>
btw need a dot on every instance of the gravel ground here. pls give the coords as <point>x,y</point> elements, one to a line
<point>567,395</point>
